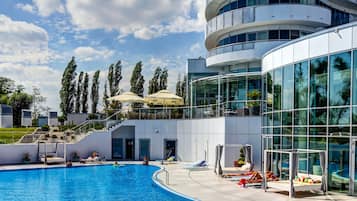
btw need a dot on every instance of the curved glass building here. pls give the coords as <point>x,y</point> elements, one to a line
<point>297,61</point>
<point>311,102</point>
<point>239,33</point>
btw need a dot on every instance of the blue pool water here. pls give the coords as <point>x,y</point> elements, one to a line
<point>107,183</point>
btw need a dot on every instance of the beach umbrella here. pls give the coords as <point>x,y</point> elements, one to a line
<point>164,98</point>
<point>127,97</point>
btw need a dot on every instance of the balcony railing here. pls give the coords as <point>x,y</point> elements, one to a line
<point>231,48</point>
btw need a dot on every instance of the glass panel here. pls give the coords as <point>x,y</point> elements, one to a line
<point>269,92</point>
<point>316,143</point>
<point>301,84</point>
<point>273,34</point>
<point>301,143</point>
<point>277,118</point>
<point>354,115</point>
<point>288,87</point>
<point>317,131</point>
<point>262,35</point>
<point>117,148</point>
<point>339,116</point>
<point>287,142</point>
<point>338,164</point>
<point>300,131</point>
<point>300,117</point>
<point>242,89</point>
<point>287,118</point>
<point>284,34</point>
<point>144,148</point>
<point>254,87</point>
<point>318,116</point>
<point>277,131</point>
<point>318,82</point>
<point>355,166</point>
<point>277,89</point>
<point>354,131</point>
<point>340,79</point>
<point>354,91</point>
<point>339,131</point>
<point>287,131</point>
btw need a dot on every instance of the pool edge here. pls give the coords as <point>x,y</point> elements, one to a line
<point>165,187</point>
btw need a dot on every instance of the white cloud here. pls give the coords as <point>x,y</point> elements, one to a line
<point>44,77</point>
<point>25,7</point>
<point>24,55</point>
<point>22,42</point>
<point>86,53</point>
<point>62,40</point>
<point>48,7</point>
<point>143,20</point>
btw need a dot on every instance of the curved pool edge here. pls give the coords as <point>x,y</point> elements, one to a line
<point>165,187</point>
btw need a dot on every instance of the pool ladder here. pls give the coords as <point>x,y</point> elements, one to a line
<point>167,175</point>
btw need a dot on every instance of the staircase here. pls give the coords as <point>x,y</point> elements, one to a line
<point>31,138</point>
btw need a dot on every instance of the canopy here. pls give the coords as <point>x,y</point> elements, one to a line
<point>165,98</point>
<point>127,97</point>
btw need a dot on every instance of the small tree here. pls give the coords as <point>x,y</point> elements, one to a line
<point>105,98</point>
<point>67,92</point>
<point>95,91</point>
<point>163,79</point>
<point>154,85</point>
<point>79,93</point>
<point>85,93</point>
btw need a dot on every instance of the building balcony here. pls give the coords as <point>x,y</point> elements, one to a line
<point>239,52</point>
<point>250,17</point>
<point>349,6</point>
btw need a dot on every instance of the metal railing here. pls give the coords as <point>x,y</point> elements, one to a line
<point>225,109</point>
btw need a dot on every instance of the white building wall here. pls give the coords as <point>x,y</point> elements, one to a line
<point>244,130</point>
<point>6,121</point>
<point>199,137</point>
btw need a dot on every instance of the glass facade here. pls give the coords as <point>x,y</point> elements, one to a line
<point>233,92</point>
<point>314,106</point>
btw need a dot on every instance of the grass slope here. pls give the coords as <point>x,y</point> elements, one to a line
<point>12,135</point>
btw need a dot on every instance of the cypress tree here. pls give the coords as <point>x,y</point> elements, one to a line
<point>67,92</point>
<point>184,89</point>
<point>117,77</point>
<point>154,82</point>
<point>85,94</point>
<point>137,80</point>
<point>178,86</point>
<point>95,91</point>
<point>105,97</point>
<point>111,80</point>
<point>79,93</point>
<point>163,79</point>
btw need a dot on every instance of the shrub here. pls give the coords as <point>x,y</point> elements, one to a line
<point>45,128</point>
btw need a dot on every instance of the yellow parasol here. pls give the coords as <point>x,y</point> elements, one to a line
<point>164,98</point>
<point>127,97</point>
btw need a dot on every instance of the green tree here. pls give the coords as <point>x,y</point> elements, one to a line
<point>19,100</point>
<point>137,80</point>
<point>184,89</point>
<point>37,100</point>
<point>79,93</point>
<point>117,77</point>
<point>163,79</point>
<point>111,80</point>
<point>178,86</point>
<point>67,92</point>
<point>85,93</point>
<point>105,97</point>
<point>95,91</point>
<point>7,86</point>
<point>154,82</point>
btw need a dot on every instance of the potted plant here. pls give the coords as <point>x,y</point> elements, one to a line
<point>75,157</point>
<point>26,158</point>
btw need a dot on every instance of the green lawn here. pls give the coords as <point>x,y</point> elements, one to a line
<point>12,135</point>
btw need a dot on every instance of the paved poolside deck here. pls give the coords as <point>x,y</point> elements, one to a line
<point>206,186</point>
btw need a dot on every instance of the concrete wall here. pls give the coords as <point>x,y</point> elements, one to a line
<point>76,118</point>
<point>243,130</point>
<point>6,121</point>
<point>198,138</point>
<point>157,131</point>
<point>98,141</point>
<point>124,132</point>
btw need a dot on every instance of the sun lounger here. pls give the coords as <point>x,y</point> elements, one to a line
<point>196,166</point>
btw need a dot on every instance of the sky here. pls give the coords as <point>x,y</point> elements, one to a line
<point>39,37</point>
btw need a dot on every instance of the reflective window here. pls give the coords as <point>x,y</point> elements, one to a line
<point>339,131</point>
<point>339,116</point>
<point>287,118</point>
<point>262,35</point>
<point>318,82</point>
<point>284,34</point>
<point>318,116</point>
<point>277,89</point>
<point>354,78</point>
<point>340,79</point>
<point>269,91</point>
<point>354,115</point>
<point>273,34</point>
<point>301,84</point>
<point>317,131</point>
<point>242,90</point>
<point>300,131</point>
<point>300,117</point>
<point>338,160</point>
<point>288,87</point>
<point>277,118</point>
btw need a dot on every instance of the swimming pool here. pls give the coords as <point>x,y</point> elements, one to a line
<point>105,182</point>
